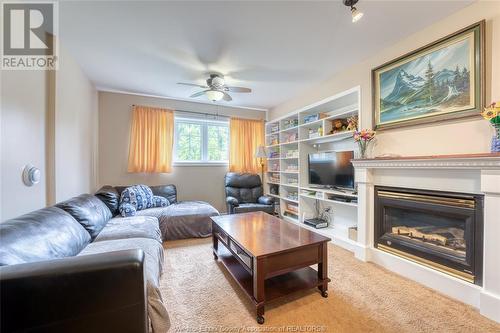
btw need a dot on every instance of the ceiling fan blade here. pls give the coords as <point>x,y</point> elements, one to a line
<point>192,85</point>
<point>238,89</point>
<point>199,93</point>
<point>227,98</point>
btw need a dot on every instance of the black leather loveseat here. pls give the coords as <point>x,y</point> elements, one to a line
<point>74,268</point>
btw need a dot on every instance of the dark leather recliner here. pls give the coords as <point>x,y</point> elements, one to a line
<point>244,193</point>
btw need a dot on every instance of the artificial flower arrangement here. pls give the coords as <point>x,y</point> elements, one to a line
<point>492,114</point>
<point>363,138</point>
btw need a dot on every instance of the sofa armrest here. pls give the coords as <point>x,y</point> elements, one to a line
<point>95,293</point>
<point>265,200</point>
<point>232,201</point>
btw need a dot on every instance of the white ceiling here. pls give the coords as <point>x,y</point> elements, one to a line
<point>275,48</point>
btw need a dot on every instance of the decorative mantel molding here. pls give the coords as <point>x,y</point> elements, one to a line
<point>489,161</point>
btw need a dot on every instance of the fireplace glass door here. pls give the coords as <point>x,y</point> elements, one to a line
<point>437,229</point>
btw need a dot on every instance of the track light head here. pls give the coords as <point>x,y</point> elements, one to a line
<point>355,13</point>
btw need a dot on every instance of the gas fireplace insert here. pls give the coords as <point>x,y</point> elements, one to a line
<point>441,230</point>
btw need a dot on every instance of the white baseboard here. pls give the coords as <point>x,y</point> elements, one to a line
<point>362,252</point>
<point>345,243</point>
<point>450,286</point>
<point>490,306</point>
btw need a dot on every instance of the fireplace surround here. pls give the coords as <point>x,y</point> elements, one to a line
<point>440,230</point>
<point>478,174</point>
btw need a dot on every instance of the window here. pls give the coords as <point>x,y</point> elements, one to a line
<point>201,141</point>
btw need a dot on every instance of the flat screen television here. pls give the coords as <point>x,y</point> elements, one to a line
<point>332,169</point>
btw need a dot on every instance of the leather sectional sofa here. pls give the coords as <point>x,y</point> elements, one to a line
<point>78,266</point>
<point>73,267</point>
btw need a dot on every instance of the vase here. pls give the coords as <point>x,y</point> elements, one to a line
<point>362,149</point>
<point>495,140</point>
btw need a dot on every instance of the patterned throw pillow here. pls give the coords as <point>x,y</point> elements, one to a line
<point>138,196</point>
<point>159,201</point>
<point>127,210</point>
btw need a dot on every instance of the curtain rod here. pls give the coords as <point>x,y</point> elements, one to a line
<point>197,112</point>
<point>208,114</point>
<point>204,113</point>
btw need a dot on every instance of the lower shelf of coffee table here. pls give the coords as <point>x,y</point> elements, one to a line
<point>275,287</point>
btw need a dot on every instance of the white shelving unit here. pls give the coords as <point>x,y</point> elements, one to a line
<point>290,139</point>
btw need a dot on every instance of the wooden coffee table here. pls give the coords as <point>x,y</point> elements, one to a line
<point>269,257</point>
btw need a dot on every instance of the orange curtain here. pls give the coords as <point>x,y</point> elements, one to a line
<point>245,136</point>
<point>151,140</point>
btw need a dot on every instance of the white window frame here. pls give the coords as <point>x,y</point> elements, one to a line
<point>204,141</point>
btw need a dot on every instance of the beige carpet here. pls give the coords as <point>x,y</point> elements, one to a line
<point>201,297</point>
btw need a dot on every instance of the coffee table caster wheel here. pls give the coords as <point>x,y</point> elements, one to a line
<point>324,294</point>
<point>260,320</point>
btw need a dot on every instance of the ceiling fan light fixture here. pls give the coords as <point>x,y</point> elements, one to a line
<point>216,89</point>
<point>356,14</point>
<point>214,95</point>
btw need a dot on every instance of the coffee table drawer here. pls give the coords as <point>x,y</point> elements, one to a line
<point>221,235</point>
<point>241,254</point>
<point>292,260</point>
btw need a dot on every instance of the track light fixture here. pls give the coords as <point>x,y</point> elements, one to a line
<point>355,13</point>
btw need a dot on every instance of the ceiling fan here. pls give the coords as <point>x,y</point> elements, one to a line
<point>216,89</point>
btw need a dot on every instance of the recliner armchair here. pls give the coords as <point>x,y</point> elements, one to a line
<point>244,193</point>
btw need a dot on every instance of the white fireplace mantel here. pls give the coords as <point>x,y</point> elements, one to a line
<point>473,173</point>
<point>471,161</point>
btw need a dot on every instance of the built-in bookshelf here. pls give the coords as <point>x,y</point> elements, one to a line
<point>290,139</point>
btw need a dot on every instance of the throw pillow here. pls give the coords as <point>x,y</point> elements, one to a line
<point>127,210</point>
<point>159,201</point>
<point>139,196</point>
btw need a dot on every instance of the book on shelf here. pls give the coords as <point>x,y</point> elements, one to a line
<point>292,208</point>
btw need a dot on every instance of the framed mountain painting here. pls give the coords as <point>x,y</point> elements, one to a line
<point>440,81</point>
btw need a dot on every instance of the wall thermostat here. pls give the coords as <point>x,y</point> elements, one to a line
<point>31,175</point>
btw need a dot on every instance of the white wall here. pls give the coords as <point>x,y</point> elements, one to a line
<point>75,131</point>
<point>193,183</point>
<point>48,120</point>
<point>470,135</point>
<point>23,121</point>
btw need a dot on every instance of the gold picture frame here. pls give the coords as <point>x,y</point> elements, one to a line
<point>441,81</point>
